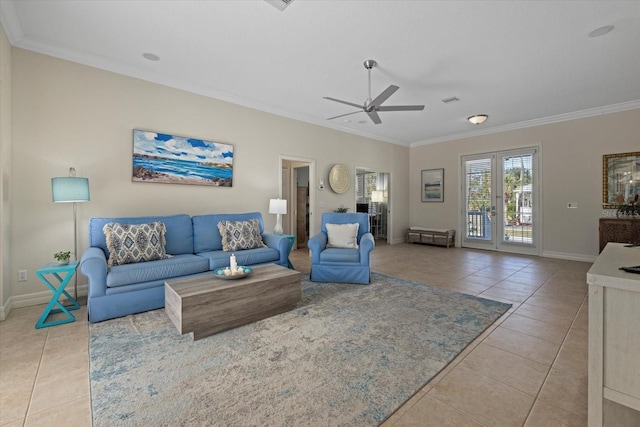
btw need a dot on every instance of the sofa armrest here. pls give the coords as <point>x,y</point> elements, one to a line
<point>279,242</point>
<point>367,243</point>
<point>317,244</point>
<point>94,265</point>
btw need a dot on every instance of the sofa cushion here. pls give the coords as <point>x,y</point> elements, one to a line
<point>257,256</point>
<point>340,255</point>
<point>206,236</point>
<point>342,235</point>
<point>179,265</point>
<point>179,231</point>
<point>131,243</point>
<point>240,235</point>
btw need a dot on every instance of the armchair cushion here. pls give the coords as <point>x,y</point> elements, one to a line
<point>340,255</point>
<point>342,236</point>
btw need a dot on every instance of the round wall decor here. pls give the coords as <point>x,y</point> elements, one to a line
<point>339,179</point>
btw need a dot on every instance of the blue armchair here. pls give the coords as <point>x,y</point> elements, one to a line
<point>337,264</point>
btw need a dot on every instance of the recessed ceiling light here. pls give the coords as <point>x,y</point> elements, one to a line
<point>601,31</point>
<point>151,56</point>
<point>478,119</point>
<point>452,99</point>
<point>347,121</point>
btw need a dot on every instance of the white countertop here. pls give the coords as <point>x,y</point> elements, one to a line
<point>605,271</point>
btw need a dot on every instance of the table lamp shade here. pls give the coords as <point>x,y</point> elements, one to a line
<point>70,189</point>
<point>377,196</point>
<point>277,206</point>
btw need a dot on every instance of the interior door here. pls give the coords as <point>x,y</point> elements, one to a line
<point>302,216</point>
<point>500,201</point>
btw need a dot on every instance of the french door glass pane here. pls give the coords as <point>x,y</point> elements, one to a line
<point>517,174</point>
<point>478,198</point>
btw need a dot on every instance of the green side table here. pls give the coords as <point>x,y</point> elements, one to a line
<point>56,271</point>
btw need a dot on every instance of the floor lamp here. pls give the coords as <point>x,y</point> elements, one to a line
<point>71,189</point>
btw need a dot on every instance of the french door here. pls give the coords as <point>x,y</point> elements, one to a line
<point>500,203</point>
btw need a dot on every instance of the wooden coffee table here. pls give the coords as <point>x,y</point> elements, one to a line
<point>206,304</point>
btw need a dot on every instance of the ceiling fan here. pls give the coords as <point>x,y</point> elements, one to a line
<point>373,106</point>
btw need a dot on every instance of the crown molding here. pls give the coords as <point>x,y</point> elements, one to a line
<point>591,112</point>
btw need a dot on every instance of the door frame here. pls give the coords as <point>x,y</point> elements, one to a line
<point>389,196</point>
<point>496,243</point>
<point>311,163</point>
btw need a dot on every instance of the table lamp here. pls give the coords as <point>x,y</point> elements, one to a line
<point>278,207</point>
<point>71,189</point>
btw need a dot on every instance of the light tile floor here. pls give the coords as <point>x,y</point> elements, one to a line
<point>529,369</point>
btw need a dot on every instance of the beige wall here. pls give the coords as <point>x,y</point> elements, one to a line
<point>65,114</point>
<point>571,166</point>
<point>5,171</point>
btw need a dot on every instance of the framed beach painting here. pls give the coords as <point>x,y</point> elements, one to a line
<point>432,185</point>
<point>171,159</point>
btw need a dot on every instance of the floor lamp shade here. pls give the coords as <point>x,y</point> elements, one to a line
<point>70,189</point>
<point>278,207</point>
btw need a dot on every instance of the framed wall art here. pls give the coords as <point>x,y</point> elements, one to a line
<point>432,185</point>
<point>171,159</point>
<point>620,179</point>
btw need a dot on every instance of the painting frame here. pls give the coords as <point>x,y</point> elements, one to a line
<point>171,159</point>
<point>432,185</point>
<point>614,167</point>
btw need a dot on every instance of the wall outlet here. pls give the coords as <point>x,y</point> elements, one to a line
<point>22,275</point>
<point>572,205</point>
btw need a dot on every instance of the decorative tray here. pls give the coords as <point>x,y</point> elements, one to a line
<point>220,273</point>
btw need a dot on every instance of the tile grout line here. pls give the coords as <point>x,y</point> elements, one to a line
<point>537,397</point>
<point>35,380</point>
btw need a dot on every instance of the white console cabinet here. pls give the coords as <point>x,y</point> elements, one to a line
<point>614,331</point>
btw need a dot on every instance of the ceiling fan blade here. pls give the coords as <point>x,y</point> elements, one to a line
<point>375,118</point>
<point>344,102</point>
<point>401,108</point>
<point>342,115</point>
<point>384,95</point>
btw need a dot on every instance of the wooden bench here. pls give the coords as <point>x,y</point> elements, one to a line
<point>431,236</point>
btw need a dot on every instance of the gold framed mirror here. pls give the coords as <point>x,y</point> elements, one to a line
<point>620,178</point>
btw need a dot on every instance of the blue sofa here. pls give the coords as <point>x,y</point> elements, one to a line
<point>196,248</point>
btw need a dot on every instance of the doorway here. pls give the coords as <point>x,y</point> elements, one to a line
<point>500,201</point>
<point>296,183</point>
<point>372,197</point>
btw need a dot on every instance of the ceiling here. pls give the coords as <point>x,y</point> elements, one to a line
<point>521,62</point>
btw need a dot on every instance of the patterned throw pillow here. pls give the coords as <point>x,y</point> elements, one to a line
<point>239,235</point>
<point>129,243</point>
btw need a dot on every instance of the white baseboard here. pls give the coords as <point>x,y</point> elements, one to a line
<point>5,309</point>
<point>569,256</point>
<point>35,298</point>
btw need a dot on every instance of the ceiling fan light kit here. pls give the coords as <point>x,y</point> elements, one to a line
<point>478,119</point>
<point>373,106</point>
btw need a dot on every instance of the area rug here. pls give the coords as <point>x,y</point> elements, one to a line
<point>346,355</point>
